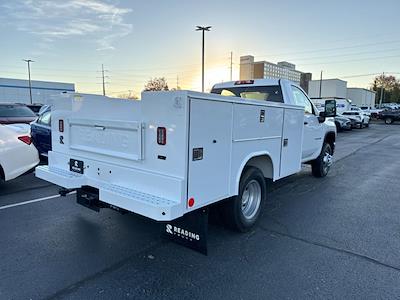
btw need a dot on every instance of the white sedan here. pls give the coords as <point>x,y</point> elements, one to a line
<point>17,153</point>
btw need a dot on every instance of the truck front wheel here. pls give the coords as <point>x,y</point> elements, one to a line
<point>241,212</point>
<point>321,165</point>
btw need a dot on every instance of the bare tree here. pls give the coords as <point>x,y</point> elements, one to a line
<point>388,82</point>
<point>129,95</point>
<point>156,84</point>
<point>391,87</point>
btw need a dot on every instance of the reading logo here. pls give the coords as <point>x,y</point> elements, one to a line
<point>182,233</point>
<point>169,229</point>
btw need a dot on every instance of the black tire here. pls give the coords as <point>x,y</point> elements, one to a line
<point>338,128</point>
<point>388,120</point>
<point>2,175</point>
<point>319,167</point>
<point>232,211</point>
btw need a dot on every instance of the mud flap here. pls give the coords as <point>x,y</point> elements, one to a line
<point>191,230</point>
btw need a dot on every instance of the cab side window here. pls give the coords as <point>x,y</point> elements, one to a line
<point>45,119</point>
<point>301,99</point>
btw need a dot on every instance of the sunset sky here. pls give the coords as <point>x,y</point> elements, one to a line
<point>137,40</point>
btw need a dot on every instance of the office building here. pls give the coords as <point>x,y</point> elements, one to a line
<point>249,69</point>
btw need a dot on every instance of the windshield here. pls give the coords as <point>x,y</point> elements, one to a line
<point>264,93</point>
<point>15,111</point>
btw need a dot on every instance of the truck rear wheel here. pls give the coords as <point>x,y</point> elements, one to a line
<point>241,212</point>
<point>321,165</point>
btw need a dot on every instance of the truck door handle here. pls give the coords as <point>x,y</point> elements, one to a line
<point>99,127</point>
<point>285,142</point>
<point>305,122</point>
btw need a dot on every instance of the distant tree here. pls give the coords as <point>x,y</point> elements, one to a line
<point>388,82</point>
<point>156,84</point>
<point>395,95</point>
<point>391,88</point>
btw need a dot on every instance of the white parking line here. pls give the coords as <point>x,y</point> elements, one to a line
<point>33,201</point>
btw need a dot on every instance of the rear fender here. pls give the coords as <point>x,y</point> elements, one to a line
<point>261,160</point>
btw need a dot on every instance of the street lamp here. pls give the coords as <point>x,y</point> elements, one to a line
<point>203,29</point>
<point>29,74</point>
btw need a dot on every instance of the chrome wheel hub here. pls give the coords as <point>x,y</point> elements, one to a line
<point>327,160</point>
<point>251,199</point>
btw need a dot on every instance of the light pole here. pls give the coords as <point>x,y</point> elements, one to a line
<point>29,74</point>
<point>231,64</point>
<point>104,84</point>
<point>203,29</point>
<point>320,86</point>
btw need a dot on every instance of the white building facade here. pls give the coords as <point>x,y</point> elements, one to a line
<point>337,89</point>
<point>327,88</point>
<point>17,90</point>
<point>361,97</point>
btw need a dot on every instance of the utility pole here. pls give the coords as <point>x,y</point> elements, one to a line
<point>203,29</point>
<point>231,64</point>
<point>177,82</point>
<point>103,78</point>
<point>29,76</point>
<point>104,84</point>
<point>320,85</point>
<point>381,98</point>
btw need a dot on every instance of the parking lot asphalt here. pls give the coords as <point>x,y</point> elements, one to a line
<point>331,238</point>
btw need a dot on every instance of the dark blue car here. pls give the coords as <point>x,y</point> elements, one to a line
<point>41,132</point>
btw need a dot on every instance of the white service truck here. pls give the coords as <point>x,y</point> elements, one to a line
<point>174,152</point>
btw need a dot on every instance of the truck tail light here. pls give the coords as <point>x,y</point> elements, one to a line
<point>61,125</point>
<point>26,139</point>
<point>161,135</point>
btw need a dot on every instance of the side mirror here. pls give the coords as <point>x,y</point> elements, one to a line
<point>329,111</point>
<point>321,117</point>
<point>330,108</point>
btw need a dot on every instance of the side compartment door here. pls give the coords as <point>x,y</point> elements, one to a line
<point>210,144</point>
<point>292,139</point>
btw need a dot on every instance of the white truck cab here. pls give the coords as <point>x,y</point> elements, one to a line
<point>173,153</point>
<point>284,91</point>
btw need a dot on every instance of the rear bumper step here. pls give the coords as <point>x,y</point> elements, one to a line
<point>151,206</point>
